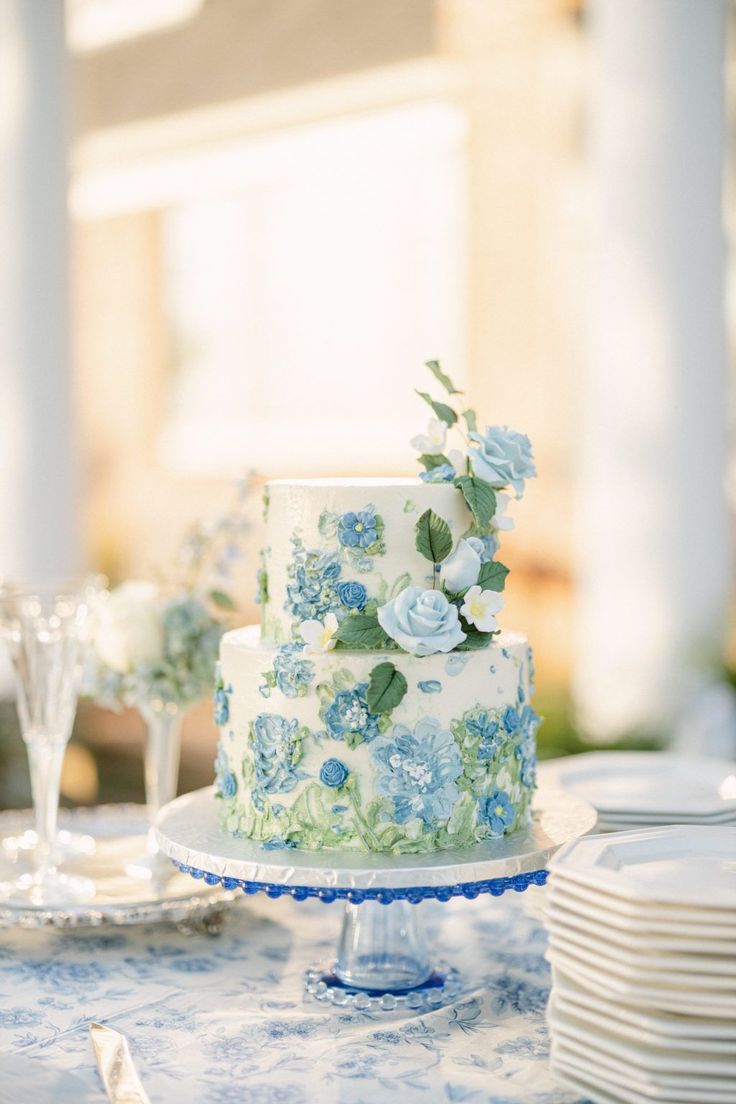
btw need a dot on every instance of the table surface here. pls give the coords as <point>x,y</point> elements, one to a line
<point>222,1019</point>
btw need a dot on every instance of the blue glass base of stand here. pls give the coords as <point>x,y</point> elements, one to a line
<point>443,984</point>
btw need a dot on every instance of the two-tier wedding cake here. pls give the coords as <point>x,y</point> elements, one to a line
<point>379,707</point>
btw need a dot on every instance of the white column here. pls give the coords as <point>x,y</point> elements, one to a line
<point>653,569</point>
<point>37,479</point>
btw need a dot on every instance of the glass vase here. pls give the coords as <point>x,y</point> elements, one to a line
<point>161,768</point>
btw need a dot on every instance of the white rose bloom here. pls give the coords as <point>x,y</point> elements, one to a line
<point>433,441</point>
<point>499,519</point>
<point>480,608</point>
<point>319,637</point>
<point>128,631</point>
<point>462,568</point>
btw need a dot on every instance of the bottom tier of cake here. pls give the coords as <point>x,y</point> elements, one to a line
<point>303,762</point>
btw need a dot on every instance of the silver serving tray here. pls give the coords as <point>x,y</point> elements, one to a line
<point>99,843</point>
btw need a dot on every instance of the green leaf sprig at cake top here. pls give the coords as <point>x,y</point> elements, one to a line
<point>380,707</point>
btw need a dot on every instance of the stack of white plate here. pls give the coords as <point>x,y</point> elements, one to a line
<point>637,789</point>
<point>642,929</point>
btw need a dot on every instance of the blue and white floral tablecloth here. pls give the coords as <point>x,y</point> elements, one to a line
<point>222,1020</point>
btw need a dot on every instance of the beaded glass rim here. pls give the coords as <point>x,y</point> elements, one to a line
<point>413,894</point>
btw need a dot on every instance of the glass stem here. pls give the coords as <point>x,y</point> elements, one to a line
<point>163,745</point>
<point>383,947</point>
<point>45,758</point>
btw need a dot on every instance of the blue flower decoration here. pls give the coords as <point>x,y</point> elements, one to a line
<point>510,719</point>
<point>333,773</point>
<point>293,673</point>
<point>352,595</point>
<point>417,771</point>
<point>484,727</point>
<point>358,530</point>
<point>349,715</point>
<point>276,750</point>
<point>497,812</point>
<point>331,570</point>
<point>222,707</point>
<point>443,473</point>
<point>430,686</point>
<point>228,784</point>
<point>312,590</point>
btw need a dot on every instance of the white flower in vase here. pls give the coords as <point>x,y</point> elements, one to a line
<point>480,608</point>
<point>129,631</point>
<point>319,636</point>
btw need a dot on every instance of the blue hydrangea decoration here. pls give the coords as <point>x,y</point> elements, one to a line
<point>292,674</point>
<point>348,717</point>
<point>312,589</point>
<point>276,751</point>
<point>417,771</point>
<point>497,811</point>
<point>352,595</point>
<point>333,773</point>
<point>358,530</point>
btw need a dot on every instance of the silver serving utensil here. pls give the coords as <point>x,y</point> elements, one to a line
<point>117,1072</point>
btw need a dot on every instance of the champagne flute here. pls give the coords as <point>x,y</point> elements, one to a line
<point>45,630</point>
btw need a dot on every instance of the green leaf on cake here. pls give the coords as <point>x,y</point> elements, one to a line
<point>433,537</point>
<point>471,420</point>
<point>386,688</point>
<point>444,412</point>
<point>439,375</point>
<point>474,639</point>
<point>221,599</point>
<point>360,630</point>
<point>492,575</point>
<point>433,461</point>
<point>480,497</point>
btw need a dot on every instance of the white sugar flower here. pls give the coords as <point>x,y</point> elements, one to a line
<point>499,519</point>
<point>480,608</point>
<point>462,567</point>
<point>433,441</point>
<point>319,636</point>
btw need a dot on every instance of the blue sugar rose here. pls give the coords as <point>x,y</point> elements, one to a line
<point>503,458</point>
<point>421,622</point>
<point>358,530</point>
<point>352,595</point>
<point>333,773</point>
<point>462,567</point>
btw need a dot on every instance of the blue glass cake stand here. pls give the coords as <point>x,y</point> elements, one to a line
<point>383,961</point>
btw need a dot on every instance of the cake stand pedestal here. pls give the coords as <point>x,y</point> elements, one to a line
<point>383,961</point>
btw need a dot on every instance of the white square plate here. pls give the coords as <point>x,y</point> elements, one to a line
<point>678,1023</point>
<point>601,925</point>
<point>664,919</point>
<point>691,1037</point>
<point>579,1027</point>
<point>690,866</point>
<point>683,1087</point>
<point>647,782</point>
<point>713,972</point>
<point>686,1002</point>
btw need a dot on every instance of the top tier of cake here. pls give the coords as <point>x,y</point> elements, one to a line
<point>333,544</point>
